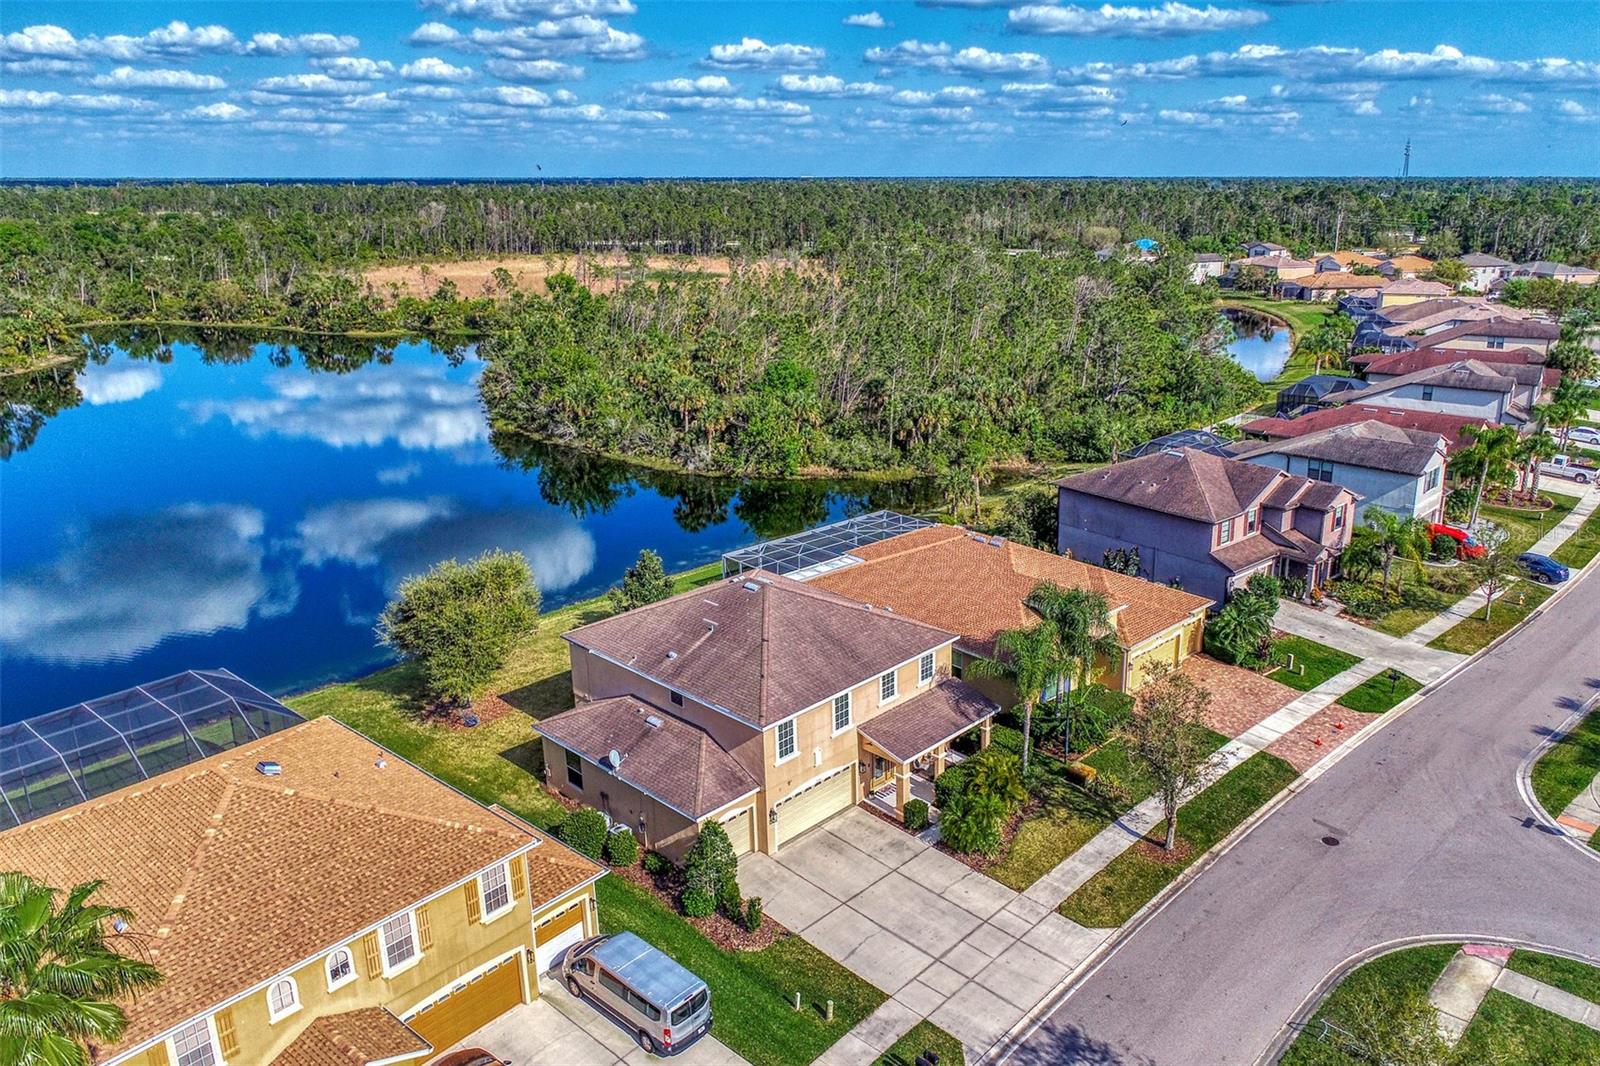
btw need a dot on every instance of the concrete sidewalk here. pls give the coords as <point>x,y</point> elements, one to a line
<point>1588,500</point>
<point>1421,662</point>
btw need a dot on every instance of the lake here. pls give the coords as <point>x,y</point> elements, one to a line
<point>1261,345</point>
<point>232,502</point>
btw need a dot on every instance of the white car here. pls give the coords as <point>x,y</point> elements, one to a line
<point>1584,435</point>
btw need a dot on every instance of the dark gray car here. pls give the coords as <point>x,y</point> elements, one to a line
<point>666,1007</point>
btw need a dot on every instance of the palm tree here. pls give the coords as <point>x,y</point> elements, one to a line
<point>1570,402</point>
<point>1538,447</point>
<point>1081,622</point>
<point>60,974</point>
<point>1493,453</point>
<point>1397,536</point>
<point>1031,657</point>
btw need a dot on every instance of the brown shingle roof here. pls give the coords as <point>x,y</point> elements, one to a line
<point>1497,327</point>
<point>1185,482</point>
<point>964,582</point>
<point>676,762</point>
<point>1398,363</point>
<point>928,718</point>
<point>354,1038</point>
<point>1243,554</point>
<point>1417,287</point>
<point>1464,374</point>
<point>1372,444</point>
<point>212,858</point>
<point>758,646</point>
<point>555,869</point>
<point>1447,426</point>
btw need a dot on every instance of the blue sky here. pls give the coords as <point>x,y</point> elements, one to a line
<point>596,88</point>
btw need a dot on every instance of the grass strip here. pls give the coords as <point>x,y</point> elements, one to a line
<point>1568,767</point>
<point>1475,632</point>
<point>1379,693</point>
<point>924,1036</point>
<point>1314,663</point>
<point>1582,546</point>
<point>1398,972</point>
<point>1506,1029</point>
<point>1581,979</point>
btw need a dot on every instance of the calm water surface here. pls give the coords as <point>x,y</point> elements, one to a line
<point>1260,345</point>
<point>251,506</point>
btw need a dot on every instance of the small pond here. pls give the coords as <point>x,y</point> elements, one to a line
<point>1261,344</point>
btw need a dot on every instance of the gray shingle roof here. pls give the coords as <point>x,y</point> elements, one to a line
<point>1372,444</point>
<point>1189,484</point>
<point>1466,374</point>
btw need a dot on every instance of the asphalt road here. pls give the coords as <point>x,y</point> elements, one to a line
<point>1434,838</point>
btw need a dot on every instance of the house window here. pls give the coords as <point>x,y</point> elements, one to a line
<point>283,998</point>
<point>1427,392</point>
<point>1496,343</point>
<point>676,698</point>
<point>192,1045</point>
<point>1433,479</point>
<point>575,770</point>
<point>786,744</point>
<point>886,687</point>
<point>1338,518</point>
<point>1251,519</point>
<point>399,938</point>
<point>1319,470</point>
<point>925,669</point>
<point>496,889</point>
<point>1225,532</point>
<point>841,711</point>
<point>955,665</point>
<point>341,969</point>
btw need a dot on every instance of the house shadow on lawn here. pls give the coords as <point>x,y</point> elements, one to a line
<point>544,697</point>
<point>527,756</point>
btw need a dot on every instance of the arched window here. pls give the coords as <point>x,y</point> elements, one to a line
<point>283,998</point>
<point>341,968</point>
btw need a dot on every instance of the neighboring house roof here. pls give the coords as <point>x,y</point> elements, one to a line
<point>234,877</point>
<point>1245,553</point>
<point>1446,318</point>
<point>977,586</point>
<point>1264,244</point>
<point>1350,259</point>
<point>1209,257</point>
<point>1417,287</point>
<point>1185,483</point>
<point>1556,270</point>
<point>1496,327</point>
<point>676,762</point>
<point>1318,386</point>
<point>1482,259</point>
<point>1201,439</point>
<point>927,719</point>
<point>1422,358</point>
<point>1371,444</point>
<point>758,646</point>
<point>354,1038</point>
<point>1411,263</point>
<point>1446,425</point>
<point>1274,262</point>
<point>1465,374</point>
<point>1427,308</point>
<point>1338,279</point>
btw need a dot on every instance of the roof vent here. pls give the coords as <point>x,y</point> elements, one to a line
<point>751,586</point>
<point>672,655</point>
<point>118,925</point>
<point>652,721</point>
<point>710,625</point>
<point>268,768</point>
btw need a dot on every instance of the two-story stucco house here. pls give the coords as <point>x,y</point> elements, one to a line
<point>1388,467</point>
<point>759,702</point>
<point>1483,270</point>
<point>1494,392</point>
<point>1207,523</point>
<point>309,898</point>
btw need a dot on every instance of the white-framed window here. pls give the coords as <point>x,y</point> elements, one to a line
<point>196,1045</point>
<point>1252,518</point>
<point>341,968</point>
<point>283,998</point>
<point>786,740</point>
<point>925,669</point>
<point>399,937</point>
<point>1433,479</point>
<point>1320,470</point>
<point>1225,532</point>
<point>886,685</point>
<point>841,712</point>
<point>495,885</point>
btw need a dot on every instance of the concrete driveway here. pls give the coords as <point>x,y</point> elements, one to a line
<point>558,1030</point>
<point>944,941</point>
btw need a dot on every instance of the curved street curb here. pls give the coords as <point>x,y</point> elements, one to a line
<point>1525,776</point>
<point>1324,988</point>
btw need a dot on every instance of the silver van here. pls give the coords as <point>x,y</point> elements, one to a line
<point>667,1007</point>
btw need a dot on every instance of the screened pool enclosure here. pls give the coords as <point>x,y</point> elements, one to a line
<point>816,551</point>
<point>89,749</point>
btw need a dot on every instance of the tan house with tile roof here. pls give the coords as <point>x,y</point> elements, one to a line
<point>313,900</point>
<point>978,586</point>
<point>759,702</point>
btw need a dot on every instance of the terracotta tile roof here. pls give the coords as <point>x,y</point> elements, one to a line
<point>212,858</point>
<point>676,762</point>
<point>1338,279</point>
<point>1350,259</point>
<point>1447,426</point>
<point>966,583</point>
<point>354,1038</point>
<point>1186,482</point>
<point>929,718</point>
<point>1372,444</point>
<point>759,646</point>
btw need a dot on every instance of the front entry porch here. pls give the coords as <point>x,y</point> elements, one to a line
<point>903,750</point>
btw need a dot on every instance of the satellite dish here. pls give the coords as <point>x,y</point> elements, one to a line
<point>615,757</point>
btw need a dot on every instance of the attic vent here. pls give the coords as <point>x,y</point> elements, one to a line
<point>652,721</point>
<point>994,542</point>
<point>118,925</point>
<point>751,586</point>
<point>712,626</point>
<point>672,655</point>
<point>887,609</point>
<point>268,768</point>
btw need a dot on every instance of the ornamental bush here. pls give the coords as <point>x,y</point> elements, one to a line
<point>697,903</point>
<point>1444,547</point>
<point>711,863</point>
<point>656,864</point>
<point>585,830</point>
<point>729,902</point>
<point>950,784</point>
<point>972,823</point>
<point>622,847</point>
<point>752,914</point>
<point>916,815</point>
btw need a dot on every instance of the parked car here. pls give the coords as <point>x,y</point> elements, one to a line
<point>1584,435</point>
<point>666,1007</point>
<point>1543,569</point>
<point>1467,546</point>
<point>1563,466</point>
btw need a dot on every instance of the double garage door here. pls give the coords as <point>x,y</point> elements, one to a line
<point>815,804</point>
<point>469,1008</point>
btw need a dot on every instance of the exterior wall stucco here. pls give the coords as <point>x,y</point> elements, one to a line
<point>1169,547</point>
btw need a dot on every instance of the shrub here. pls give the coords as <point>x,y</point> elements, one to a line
<point>972,823</point>
<point>1082,774</point>
<point>1363,601</point>
<point>697,903</point>
<point>950,784</point>
<point>1444,547</point>
<point>752,914</point>
<point>1294,588</point>
<point>997,775</point>
<point>585,830</point>
<point>622,847</point>
<point>656,864</point>
<point>1458,504</point>
<point>646,581</point>
<point>729,902</point>
<point>711,863</point>
<point>1101,714</point>
<point>916,815</point>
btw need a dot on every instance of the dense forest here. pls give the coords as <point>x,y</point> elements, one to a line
<point>867,325</point>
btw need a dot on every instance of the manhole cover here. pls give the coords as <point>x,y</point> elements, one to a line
<point>1332,842</point>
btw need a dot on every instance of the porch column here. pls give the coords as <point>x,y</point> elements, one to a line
<point>938,760</point>
<point>985,732</point>
<point>902,787</point>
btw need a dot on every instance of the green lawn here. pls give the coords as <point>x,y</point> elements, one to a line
<point>751,991</point>
<point>1510,607</point>
<point>1526,527</point>
<point>1407,970</point>
<point>1580,979</point>
<point>1583,545</point>
<point>1568,767</point>
<point>925,1036</point>
<point>1313,663</point>
<point>1506,1029</point>
<point>1377,694</point>
<point>1132,879</point>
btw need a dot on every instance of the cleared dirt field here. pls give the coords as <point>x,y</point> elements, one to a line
<point>600,271</point>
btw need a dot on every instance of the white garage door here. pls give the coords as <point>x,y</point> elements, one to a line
<point>812,805</point>
<point>738,828</point>
<point>555,935</point>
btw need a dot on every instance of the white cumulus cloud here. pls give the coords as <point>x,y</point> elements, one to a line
<point>1171,19</point>
<point>973,60</point>
<point>534,71</point>
<point>170,80</point>
<point>827,85</point>
<point>867,20</point>
<point>435,70</point>
<point>752,53</point>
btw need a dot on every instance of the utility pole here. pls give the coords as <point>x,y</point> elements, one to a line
<point>1405,169</point>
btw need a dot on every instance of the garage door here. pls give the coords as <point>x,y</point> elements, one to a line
<point>469,1008</point>
<point>556,934</point>
<point>812,805</point>
<point>1166,654</point>
<point>739,835</point>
